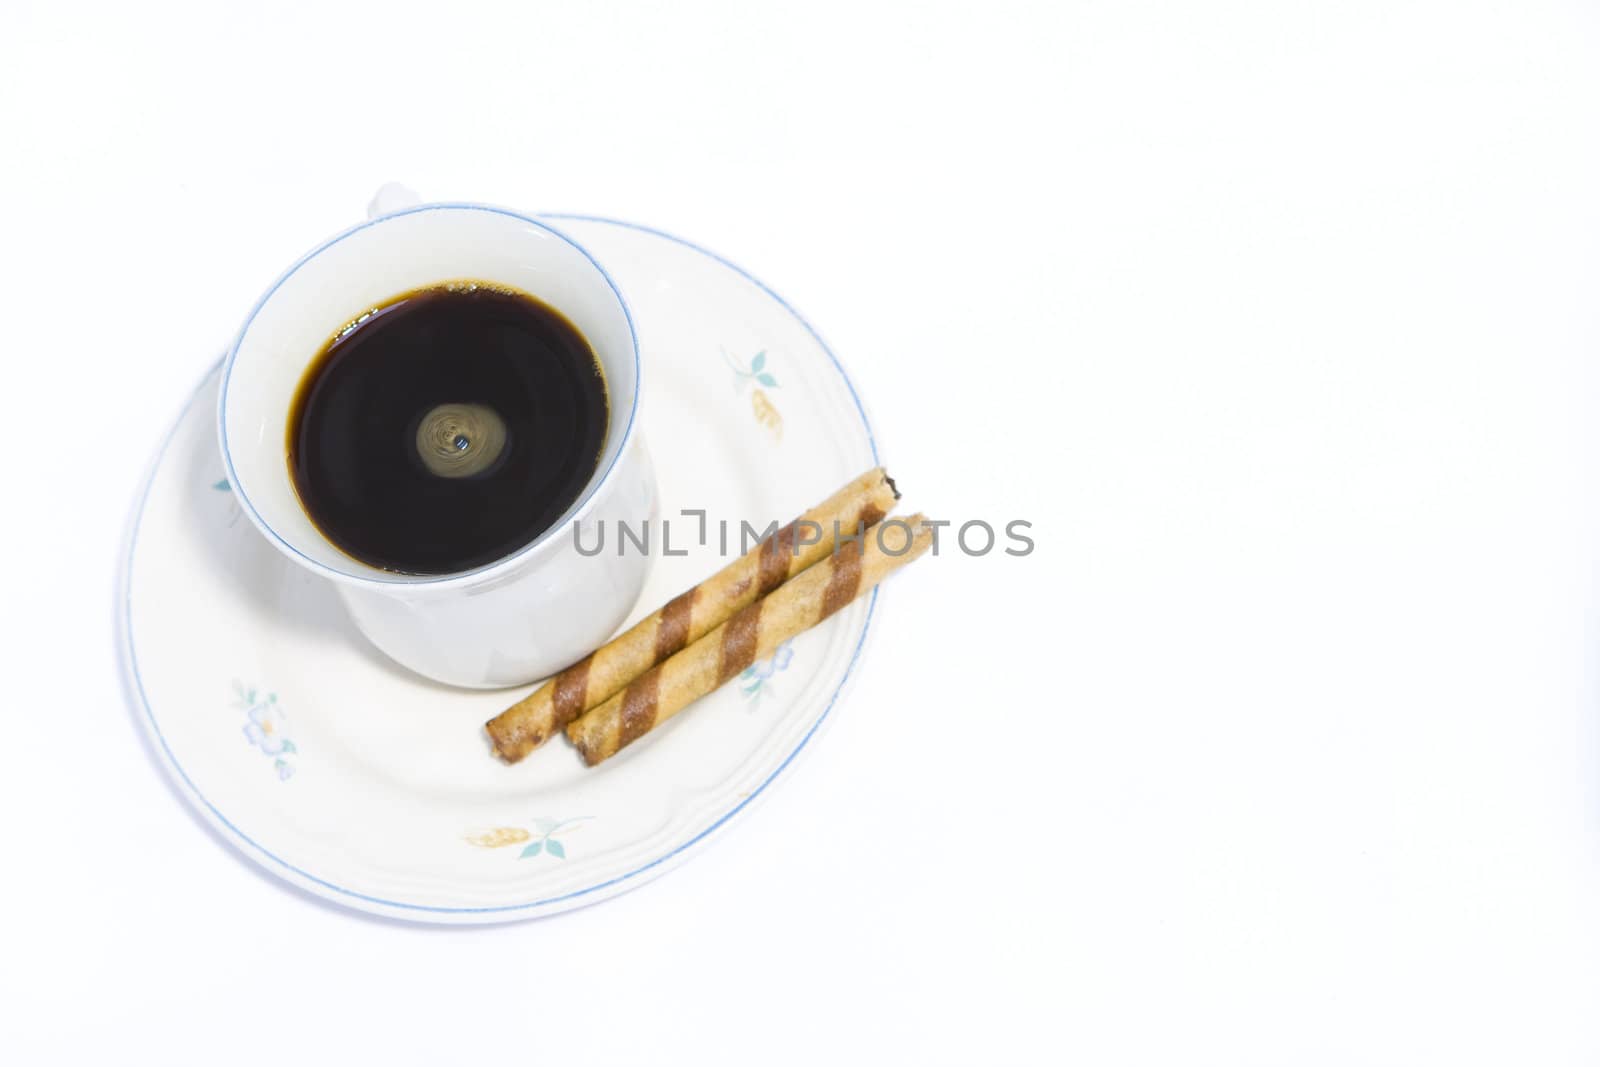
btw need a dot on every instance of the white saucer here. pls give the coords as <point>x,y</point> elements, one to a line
<point>363,783</point>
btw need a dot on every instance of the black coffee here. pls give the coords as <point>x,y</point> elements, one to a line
<point>447,429</point>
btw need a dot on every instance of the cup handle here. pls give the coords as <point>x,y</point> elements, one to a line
<point>390,198</point>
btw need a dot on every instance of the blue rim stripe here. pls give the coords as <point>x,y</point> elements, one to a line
<point>289,868</point>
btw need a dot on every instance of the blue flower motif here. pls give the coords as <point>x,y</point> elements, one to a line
<point>266,726</point>
<point>268,729</point>
<point>754,679</point>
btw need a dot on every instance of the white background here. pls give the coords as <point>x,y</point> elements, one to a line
<point>1279,322</point>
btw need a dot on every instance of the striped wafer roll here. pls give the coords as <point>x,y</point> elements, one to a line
<point>750,635</point>
<point>531,721</point>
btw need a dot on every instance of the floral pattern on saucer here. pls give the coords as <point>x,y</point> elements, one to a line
<point>757,374</point>
<point>547,841</point>
<point>221,485</point>
<point>266,727</point>
<point>755,681</point>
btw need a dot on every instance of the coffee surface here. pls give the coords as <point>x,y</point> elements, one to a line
<point>447,428</point>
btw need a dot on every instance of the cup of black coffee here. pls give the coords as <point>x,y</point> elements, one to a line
<point>420,410</point>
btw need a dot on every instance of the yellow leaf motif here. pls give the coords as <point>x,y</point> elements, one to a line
<point>766,413</point>
<point>499,837</point>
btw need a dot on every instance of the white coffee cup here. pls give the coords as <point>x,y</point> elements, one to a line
<point>517,619</point>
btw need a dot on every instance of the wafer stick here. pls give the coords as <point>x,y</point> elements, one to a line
<point>752,634</point>
<point>528,723</point>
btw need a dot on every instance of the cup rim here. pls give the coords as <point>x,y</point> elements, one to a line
<point>487,571</point>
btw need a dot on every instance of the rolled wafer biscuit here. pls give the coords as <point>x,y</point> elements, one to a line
<point>531,721</point>
<point>752,634</point>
